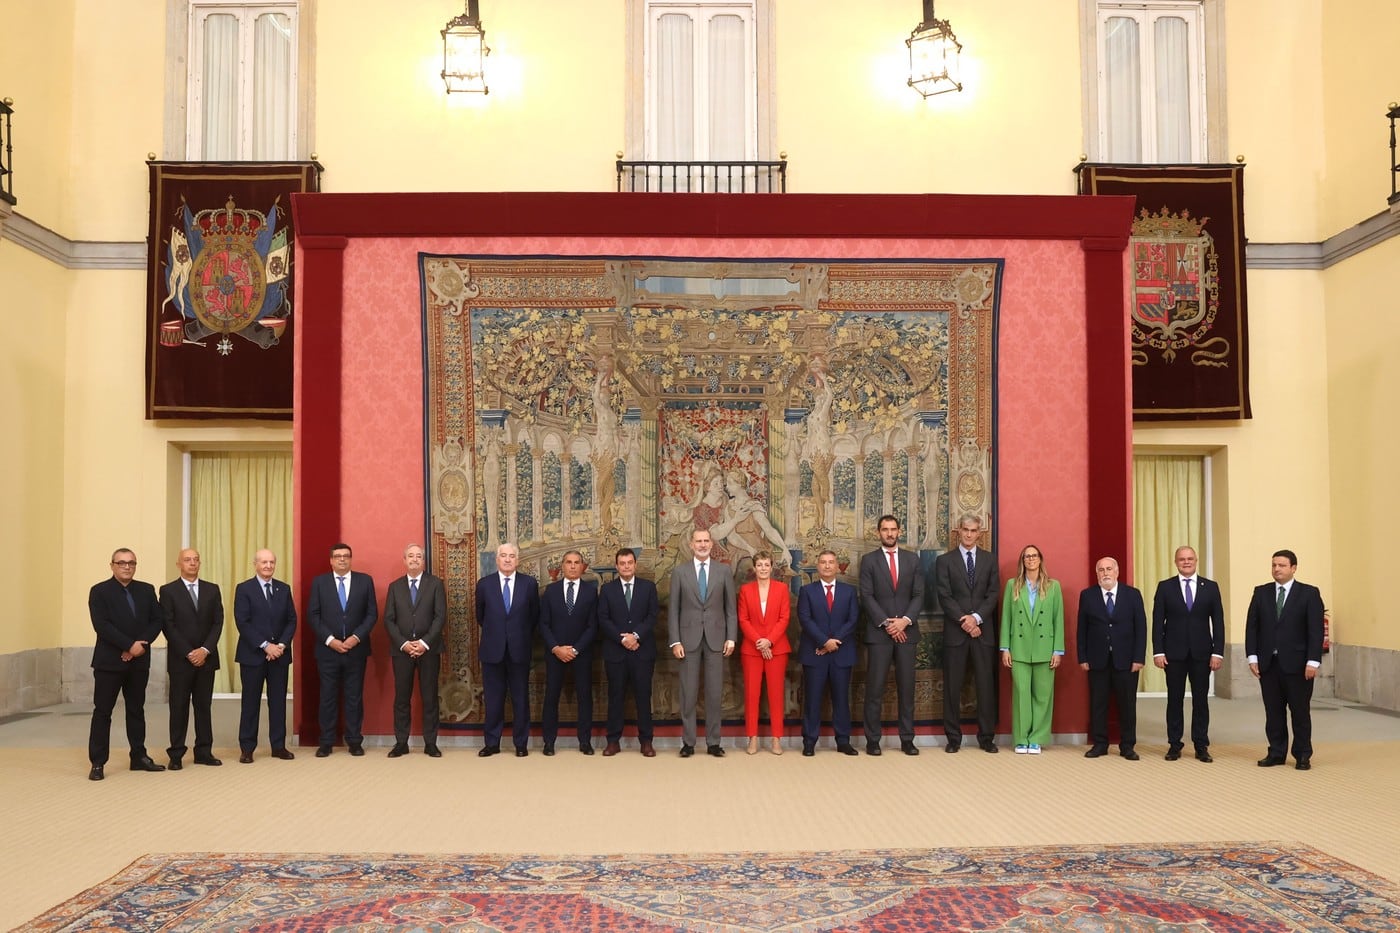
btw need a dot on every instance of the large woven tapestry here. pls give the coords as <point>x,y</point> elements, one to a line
<point>600,403</point>
<point>219,322</point>
<point>1190,333</point>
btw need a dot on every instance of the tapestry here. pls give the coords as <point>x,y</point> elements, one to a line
<point>219,324</point>
<point>1190,333</point>
<point>599,403</point>
<point>1217,887</point>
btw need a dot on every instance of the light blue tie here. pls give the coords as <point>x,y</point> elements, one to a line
<point>340,584</point>
<point>505,594</point>
<point>704,582</point>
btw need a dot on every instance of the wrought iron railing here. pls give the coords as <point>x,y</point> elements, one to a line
<point>1394,114</point>
<point>7,175</point>
<point>703,177</point>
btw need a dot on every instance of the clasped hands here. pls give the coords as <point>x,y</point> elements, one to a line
<point>565,653</point>
<point>895,629</point>
<point>135,651</point>
<point>830,647</point>
<point>344,646</point>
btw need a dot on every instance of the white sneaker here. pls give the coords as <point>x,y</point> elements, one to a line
<point>1021,749</point>
<point>1032,749</point>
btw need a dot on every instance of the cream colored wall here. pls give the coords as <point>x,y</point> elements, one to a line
<point>36,70</point>
<point>1363,330</point>
<point>33,299</point>
<point>1275,468</point>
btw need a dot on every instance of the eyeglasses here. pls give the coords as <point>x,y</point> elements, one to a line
<point>123,563</point>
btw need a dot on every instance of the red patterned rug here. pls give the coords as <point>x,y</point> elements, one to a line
<point>1245,886</point>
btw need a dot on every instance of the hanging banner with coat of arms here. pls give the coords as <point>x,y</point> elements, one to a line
<point>219,288</point>
<point>1190,334</point>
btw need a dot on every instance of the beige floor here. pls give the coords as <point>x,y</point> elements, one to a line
<point>62,833</point>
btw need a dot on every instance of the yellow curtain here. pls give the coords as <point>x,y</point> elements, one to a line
<point>1168,511</point>
<point>239,504</point>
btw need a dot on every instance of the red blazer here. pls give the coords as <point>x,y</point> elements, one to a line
<point>756,624</point>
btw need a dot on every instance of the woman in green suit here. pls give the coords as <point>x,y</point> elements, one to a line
<point>1032,643</point>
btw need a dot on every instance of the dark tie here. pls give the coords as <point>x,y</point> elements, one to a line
<point>704,582</point>
<point>627,594</point>
<point>505,594</point>
<point>569,596</point>
<point>1108,602</point>
<point>1190,600</point>
<point>194,596</point>
<point>340,584</point>
<point>131,603</point>
<point>971,573</point>
<point>894,569</point>
<point>1282,595</point>
<point>413,592</point>
<point>267,591</point>
<point>830,598</point>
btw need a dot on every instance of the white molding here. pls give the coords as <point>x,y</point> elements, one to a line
<point>74,254</point>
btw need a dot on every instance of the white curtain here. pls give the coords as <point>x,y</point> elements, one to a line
<point>726,89</point>
<point>272,87</point>
<point>219,88</point>
<point>701,91</point>
<point>1122,104</point>
<point>1172,64</point>
<point>674,131</point>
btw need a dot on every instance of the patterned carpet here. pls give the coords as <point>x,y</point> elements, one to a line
<point>1247,886</point>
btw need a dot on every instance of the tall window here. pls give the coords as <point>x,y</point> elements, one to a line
<point>1151,81</point>
<point>242,80</point>
<point>700,67</point>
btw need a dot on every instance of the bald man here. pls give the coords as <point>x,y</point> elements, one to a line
<point>194,621</point>
<point>266,620</point>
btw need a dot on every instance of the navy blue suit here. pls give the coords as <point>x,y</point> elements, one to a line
<point>118,627</point>
<point>504,651</point>
<point>626,668</point>
<point>1111,645</point>
<point>832,671</point>
<point>1188,638</point>
<point>560,626</point>
<point>342,673</point>
<point>263,620</point>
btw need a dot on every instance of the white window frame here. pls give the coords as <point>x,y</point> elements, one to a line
<point>1205,25</point>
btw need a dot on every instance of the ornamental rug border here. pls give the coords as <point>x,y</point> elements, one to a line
<point>598,402</point>
<point>1245,886</point>
<point>1188,308</point>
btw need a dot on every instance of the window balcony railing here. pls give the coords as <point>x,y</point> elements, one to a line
<point>1394,199</point>
<point>7,155</point>
<point>703,177</point>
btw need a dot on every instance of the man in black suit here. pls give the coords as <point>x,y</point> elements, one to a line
<point>266,620</point>
<point>968,586</point>
<point>194,620</point>
<point>1188,642</point>
<point>342,610</point>
<point>1113,649</point>
<point>415,610</point>
<point>627,610</point>
<point>892,594</point>
<point>1283,641</point>
<point>827,613</point>
<point>126,617</point>
<point>569,624</point>
<point>507,609</point>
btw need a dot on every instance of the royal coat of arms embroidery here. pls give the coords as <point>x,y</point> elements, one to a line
<point>1176,289</point>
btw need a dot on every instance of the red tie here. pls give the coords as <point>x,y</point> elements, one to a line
<point>894,569</point>
<point>830,598</point>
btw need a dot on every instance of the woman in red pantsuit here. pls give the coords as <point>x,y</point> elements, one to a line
<point>763,615</point>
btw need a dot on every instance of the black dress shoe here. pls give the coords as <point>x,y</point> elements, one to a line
<point>521,752</point>
<point>847,749</point>
<point>1098,751</point>
<point>323,751</point>
<point>1270,761</point>
<point>96,773</point>
<point>951,748</point>
<point>586,749</point>
<point>488,750</point>
<point>432,751</point>
<point>909,748</point>
<point>281,753</point>
<point>209,760</point>
<point>1203,755</point>
<point>1172,754</point>
<point>714,751</point>
<point>687,751</point>
<point>175,764</point>
<point>145,764</point>
<point>549,749</point>
<point>872,748</point>
<point>988,746</point>
<point>1129,754</point>
<point>357,750</point>
<point>245,758</point>
<point>398,751</point>
<point>808,751</point>
<point>1304,764</point>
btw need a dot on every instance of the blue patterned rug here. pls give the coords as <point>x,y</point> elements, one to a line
<point>1232,887</point>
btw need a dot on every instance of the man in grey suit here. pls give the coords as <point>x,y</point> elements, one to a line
<point>892,593</point>
<point>415,610</point>
<point>703,627</point>
<point>968,583</point>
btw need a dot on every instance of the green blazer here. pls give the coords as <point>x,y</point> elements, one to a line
<point>1033,637</point>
